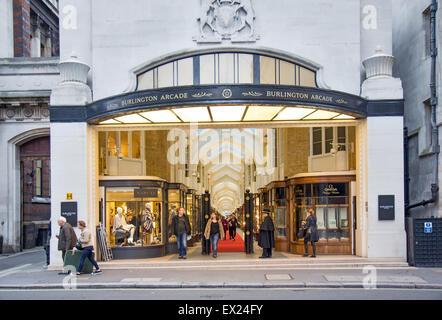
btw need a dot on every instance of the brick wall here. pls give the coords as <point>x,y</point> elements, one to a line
<point>296,147</point>
<point>156,154</point>
<point>22,28</point>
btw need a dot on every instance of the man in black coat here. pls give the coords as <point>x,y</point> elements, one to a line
<point>266,239</point>
<point>181,228</point>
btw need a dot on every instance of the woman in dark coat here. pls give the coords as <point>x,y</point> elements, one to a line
<point>311,234</point>
<point>266,238</point>
<point>233,223</point>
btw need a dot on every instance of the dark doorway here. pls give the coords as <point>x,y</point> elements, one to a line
<point>35,195</point>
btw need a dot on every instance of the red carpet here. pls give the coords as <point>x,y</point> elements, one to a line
<point>230,245</point>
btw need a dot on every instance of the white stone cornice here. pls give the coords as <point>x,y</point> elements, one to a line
<point>379,65</point>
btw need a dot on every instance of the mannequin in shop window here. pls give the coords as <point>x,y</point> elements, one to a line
<point>122,229</point>
<point>147,220</point>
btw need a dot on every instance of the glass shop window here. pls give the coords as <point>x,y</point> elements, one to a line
<point>133,221</point>
<point>281,210</point>
<point>174,205</point>
<point>330,202</point>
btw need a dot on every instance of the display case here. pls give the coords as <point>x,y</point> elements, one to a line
<point>134,216</point>
<point>278,212</point>
<point>176,199</point>
<point>137,215</point>
<point>330,198</point>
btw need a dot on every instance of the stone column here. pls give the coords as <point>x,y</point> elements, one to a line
<point>381,140</point>
<point>76,30</point>
<point>71,151</point>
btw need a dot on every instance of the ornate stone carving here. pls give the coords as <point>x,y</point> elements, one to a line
<point>24,112</point>
<point>226,20</point>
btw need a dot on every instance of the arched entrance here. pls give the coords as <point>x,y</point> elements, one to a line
<point>22,182</point>
<point>288,124</point>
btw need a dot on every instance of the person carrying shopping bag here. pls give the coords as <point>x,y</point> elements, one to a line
<point>311,233</point>
<point>214,231</point>
<point>87,248</point>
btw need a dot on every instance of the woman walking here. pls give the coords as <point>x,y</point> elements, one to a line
<point>266,238</point>
<point>87,248</point>
<point>214,231</point>
<point>233,223</point>
<point>311,234</point>
<point>225,226</point>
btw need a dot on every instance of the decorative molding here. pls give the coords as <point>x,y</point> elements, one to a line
<point>232,20</point>
<point>24,112</point>
<point>252,94</point>
<point>202,95</point>
<point>379,65</point>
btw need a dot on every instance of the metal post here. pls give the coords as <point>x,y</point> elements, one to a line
<point>205,216</point>
<point>248,215</point>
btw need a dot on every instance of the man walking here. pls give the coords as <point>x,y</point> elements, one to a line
<point>67,238</point>
<point>181,228</point>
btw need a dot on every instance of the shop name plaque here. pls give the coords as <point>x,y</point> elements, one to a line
<point>146,193</point>
<point>70,212</point>
<point>386,207</point>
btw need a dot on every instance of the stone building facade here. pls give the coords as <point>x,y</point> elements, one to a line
<point>316,76</point>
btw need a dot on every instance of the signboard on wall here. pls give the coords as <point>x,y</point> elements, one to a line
<point>146,193</point>
<point>70,212</point>
<point>386,207</point>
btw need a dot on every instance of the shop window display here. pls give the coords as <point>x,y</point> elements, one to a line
<point>133,221</point>
<point>331,204</point>
<point>173,206</point>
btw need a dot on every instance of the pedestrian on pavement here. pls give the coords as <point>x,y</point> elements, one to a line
<point>225,226</point>
<point>67,237</point>
<point>87,248</point>
<point>47,245</point>
<point>181,228</point>
<point>214,231</point>
<point>233,223</point>
<point>311,235</point>
<point>266,237</point>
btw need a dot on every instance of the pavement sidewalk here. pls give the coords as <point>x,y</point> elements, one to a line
<point>232,270</point>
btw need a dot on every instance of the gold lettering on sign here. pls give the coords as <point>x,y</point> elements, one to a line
<point>144,99</point>
<point>174,96</point>
<point>287,94</point>
<point>321,98</point>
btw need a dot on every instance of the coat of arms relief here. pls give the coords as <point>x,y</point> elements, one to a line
<point>232,20</point>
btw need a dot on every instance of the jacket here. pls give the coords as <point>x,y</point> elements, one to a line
<point>266,237</point>
<point>175,224</point>
<point>207,230</point>
<point>67,238</point>
<point>314,235</point>
<point>86,238</point>
<point>233,224</point>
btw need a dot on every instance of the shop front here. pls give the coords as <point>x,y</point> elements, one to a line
<point>330,198</point>
<point>138,213</point>
<point>328,194</point>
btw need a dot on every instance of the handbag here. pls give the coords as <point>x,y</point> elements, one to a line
<point>301,233</point>
<point>78,245</point>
